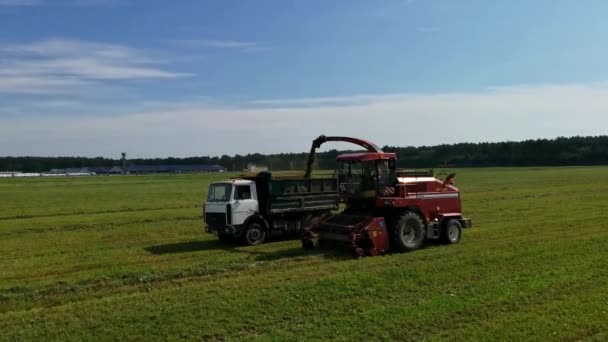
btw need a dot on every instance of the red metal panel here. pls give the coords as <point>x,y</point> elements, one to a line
<point>432,199</point>
<point>378,235</point>
<point>365,156</point>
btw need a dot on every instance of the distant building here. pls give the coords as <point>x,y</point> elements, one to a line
<point>129,169</point>
<point>99,170</point>
<point>71,171</point>
<point>115,170</point>
<point>145,169</point>
<point>6,174</point>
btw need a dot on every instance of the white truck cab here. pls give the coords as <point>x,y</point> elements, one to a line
<point>229,204</point>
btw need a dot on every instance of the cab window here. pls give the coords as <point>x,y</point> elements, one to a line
<point>219,192</point>
<point>243,192</point>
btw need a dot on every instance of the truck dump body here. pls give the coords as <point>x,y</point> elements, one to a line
<point>288,195</point>
<point>281,195</point>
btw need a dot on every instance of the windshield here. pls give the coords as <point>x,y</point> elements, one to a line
<point>358,177</point>
<point>219,192</point>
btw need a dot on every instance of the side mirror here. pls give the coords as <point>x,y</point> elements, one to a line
<point>449,180</point>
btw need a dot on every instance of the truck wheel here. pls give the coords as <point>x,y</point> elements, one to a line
<point>408,233</point>
<point>451,232</point>
<point>254,234</point>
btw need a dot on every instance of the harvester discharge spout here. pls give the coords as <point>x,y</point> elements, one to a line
<point>369,146</point>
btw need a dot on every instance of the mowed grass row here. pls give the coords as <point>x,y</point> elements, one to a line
<point>42,197</point>
<point>127,257</point>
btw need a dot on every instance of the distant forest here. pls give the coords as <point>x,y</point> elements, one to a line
<point>540,152</point>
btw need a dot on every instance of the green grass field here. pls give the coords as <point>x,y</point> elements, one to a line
<point>127,258</point>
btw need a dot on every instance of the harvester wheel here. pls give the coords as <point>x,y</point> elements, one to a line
<point>358,253</point>
<point>254,234</point>
<point>451,232</point>
<point>408,233</point>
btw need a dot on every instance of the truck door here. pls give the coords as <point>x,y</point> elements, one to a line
<point>245,203</point>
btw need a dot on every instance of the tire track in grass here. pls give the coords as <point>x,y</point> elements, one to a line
<point>420,326</point>
<point>498,243</point>
<point>125,210</point>
<point>14,298</point>
<point>134,282</point>
<point>75,227</point>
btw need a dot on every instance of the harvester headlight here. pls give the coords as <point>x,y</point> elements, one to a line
<point>388,202</point>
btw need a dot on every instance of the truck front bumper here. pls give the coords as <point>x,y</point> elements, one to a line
<point>229,230</point>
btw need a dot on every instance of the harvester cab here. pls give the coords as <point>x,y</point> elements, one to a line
<point>361,176</point>
<point>364,176</point>
<point>386,207</point>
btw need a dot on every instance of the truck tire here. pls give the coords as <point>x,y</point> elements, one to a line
<point>255,234</point>
<point>451,232</point>
<point>408,233</point>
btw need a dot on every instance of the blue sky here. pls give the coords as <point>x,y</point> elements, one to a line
<point>160,78</point>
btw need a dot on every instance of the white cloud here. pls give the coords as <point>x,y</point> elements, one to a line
<point>61,64</point>
<point>326,101</point>
<point>84,68</point>
<point>243,46</point>
<point>40,85</point>
<point>183,129</point>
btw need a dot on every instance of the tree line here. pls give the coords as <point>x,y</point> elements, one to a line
<point>539,152</point>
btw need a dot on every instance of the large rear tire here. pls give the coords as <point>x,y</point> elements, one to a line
<point>451,232</point>
<point>255,234</point>
<point>408,233</point>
